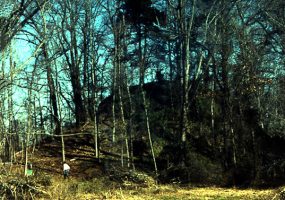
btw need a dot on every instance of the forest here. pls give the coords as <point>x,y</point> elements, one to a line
<point>183,91</point>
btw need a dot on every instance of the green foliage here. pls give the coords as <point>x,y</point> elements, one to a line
<point>202,170</point>
<point>158,145</point>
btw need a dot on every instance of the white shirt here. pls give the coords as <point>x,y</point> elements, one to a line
<point>66,166</point>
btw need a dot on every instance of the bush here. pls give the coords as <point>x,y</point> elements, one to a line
<point>198,169</point>
<point>21,188</point>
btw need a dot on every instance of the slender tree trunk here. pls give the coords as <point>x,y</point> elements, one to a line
<point>11,136</point>
<point>3,115</point>
<point>120,30</point>
<point>142,55</point>
<point>62,145</point>
<point>96,131</point>
<point>115,86</point>
<point>29,127</point>
<point>58,89</point>
<point>212,112</point>
<point>95,100</point>
<point>149,133</point>
<point>125,134</point>
<point>171,85</point>
<point>113,105</point>
<point>42,126</point>
<point>86,47</point>
<point>35,140</point>
<point>185,28</point>
<point>52,91</point>
<point>259,109</point>
<point>131,124</point>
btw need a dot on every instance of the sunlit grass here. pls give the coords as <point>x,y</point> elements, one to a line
<point>99,189</point>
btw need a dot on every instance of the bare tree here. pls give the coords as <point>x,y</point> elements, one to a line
<point>69,43</point>
<point>14,16</point>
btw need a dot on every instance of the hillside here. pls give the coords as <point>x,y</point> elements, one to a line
<point>240,153</point>
<point>90,180</point>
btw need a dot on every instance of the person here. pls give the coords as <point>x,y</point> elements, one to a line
<point>66,169</point>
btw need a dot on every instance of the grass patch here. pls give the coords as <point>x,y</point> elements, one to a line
<point>55,187</point>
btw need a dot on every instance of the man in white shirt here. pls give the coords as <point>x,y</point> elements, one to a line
<point>66,169</point>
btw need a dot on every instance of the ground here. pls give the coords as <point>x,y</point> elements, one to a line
<point>88,180</point>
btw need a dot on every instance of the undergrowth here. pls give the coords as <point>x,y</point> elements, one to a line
<point>45,186</point>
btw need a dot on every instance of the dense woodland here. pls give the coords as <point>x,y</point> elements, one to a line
<point>187,90</point>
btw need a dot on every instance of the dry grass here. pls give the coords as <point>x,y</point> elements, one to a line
<point>104,189</point>
<point>53,186</point>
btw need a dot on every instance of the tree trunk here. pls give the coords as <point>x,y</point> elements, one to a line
<point>29,125</point>
<point>96,131</point>
<point>131,124</point>
<point>212,112</point>
<point>149,133</point>
<point>73,58</point>
<point>125,134</point>
<point>95,102</point>
<point>114,105</point>
<point>80,114</point>
<point>52,91</point>
<point>142,55</point>
<point>11,132</point>
<point>60,118</point>
<point>86,41</point>
<point>185,28</point>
